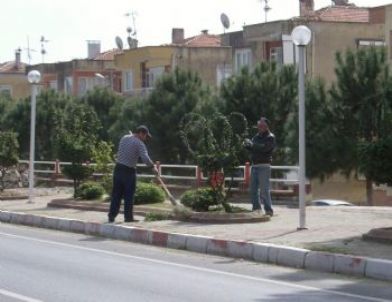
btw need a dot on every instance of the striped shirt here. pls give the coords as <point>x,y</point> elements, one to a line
<point>130,149</point>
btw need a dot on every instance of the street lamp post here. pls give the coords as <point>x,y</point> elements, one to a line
<point>301,36</point>
<point>34,78</point>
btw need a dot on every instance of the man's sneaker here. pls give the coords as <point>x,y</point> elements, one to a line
<point>111,220</point>
<point>269,213</point>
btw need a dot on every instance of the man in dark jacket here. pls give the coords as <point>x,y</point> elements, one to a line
<point>261,147</point>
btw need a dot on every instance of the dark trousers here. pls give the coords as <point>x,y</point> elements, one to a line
<point>124,185</point>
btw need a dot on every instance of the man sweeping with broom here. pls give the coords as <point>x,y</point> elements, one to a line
<point>130,149</point>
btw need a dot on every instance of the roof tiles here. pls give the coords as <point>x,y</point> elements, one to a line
<point>10,67</point>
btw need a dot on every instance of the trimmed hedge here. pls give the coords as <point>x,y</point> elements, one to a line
<point>199,200</point>
<point>90,190</point>
<point>148,193</point>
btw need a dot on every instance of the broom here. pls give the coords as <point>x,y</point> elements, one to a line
<point>164,187</point>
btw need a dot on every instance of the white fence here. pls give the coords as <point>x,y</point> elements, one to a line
<point>187,175</point>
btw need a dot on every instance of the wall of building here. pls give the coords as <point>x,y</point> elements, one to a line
<point>388,30</point>
<point>205,61</point>
<point>330,37</point>
<point>152,56</point>
<point>255,37</point>
<point>340,187</point>
<point>75,69</point>
<point>19,84</point>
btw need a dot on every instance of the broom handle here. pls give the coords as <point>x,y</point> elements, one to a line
<point>164,187</point>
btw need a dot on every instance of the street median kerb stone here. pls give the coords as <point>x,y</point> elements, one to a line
<point>140,235</point>
<point>197,243</point>
<point>379,269</point>
<point>273,252</point>
<point>260,251</point>
<point>65,224</point>
<point>320,261</point>
<point>37,221</point>
<point>50,222</point>
<point>158,238</point>
<point>122,232</point>
<point>240,249</point>
<point>28,219</point>
<point>217,247</point>
<point>5,216</point>
<point>350,265</point>
<point>92,228</point>
<point>106,230</point>
<point>176,241</point>
<point>291,256</point>
<point>78,226</point>
<point>16,218</point>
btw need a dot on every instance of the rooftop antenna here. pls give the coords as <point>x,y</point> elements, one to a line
<point>43,50</point>
<point>132,32</point>
<point>29,50</point>
<point>266,9</point>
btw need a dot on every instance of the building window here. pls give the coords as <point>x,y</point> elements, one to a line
<point>82,86</point>
<point>128,80</point>
<point>68,85</point>
<point>276,55</point>
<point>6,91</point>
<point>53,85</point>
<point>242,58</point>
<point>154,74</point>
<point>370,43</point>
<point>290,52</point>
<point>223,72</point>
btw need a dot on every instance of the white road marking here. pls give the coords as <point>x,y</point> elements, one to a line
<point>17,296</point>
<point>276,282</point>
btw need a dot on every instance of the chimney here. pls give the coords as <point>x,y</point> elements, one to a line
<point>306,7</point>
<point>17,58</point>
<point>93,48</point>
<point>177,35</point>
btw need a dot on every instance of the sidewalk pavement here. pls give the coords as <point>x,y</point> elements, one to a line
<point>332,242</point>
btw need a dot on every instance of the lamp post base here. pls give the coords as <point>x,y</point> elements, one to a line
<point>302,229</point>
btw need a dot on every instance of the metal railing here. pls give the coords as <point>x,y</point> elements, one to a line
<point>190,174</point>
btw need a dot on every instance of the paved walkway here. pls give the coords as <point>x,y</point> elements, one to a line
<point>330,229</point>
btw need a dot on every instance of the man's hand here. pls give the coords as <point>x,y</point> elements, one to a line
<point>247,143</point>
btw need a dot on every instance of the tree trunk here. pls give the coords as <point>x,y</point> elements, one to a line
<point>369,192</point>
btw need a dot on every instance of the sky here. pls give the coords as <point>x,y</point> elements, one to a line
<point>67,25</point>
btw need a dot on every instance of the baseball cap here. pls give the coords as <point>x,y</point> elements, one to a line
<point>143,129</point>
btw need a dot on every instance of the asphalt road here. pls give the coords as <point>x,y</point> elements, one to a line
<point>43,265</point>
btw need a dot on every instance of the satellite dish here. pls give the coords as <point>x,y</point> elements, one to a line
<point>225,20</point>
<point>119,43</point>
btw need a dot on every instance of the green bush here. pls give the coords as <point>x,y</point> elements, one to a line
<point>155,216</point>
<point>199,200</point>
<point>148,193</point>
<point>107,183</point>
<point>90,190</point>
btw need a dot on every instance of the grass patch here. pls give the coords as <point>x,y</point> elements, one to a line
<point>328,249</point>
<point>233,209</point>
<point>154,216</point>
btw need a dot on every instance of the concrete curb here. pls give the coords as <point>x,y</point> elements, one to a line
<point>380,269</point>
